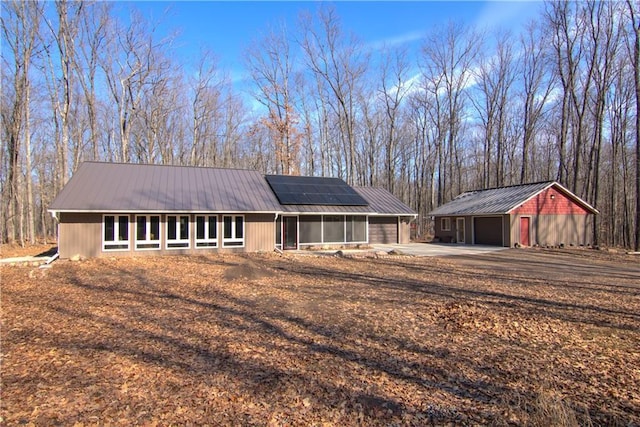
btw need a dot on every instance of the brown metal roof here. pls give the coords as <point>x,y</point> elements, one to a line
<point>382,202</point>
<point>127,187</point>
<point>101,187</point>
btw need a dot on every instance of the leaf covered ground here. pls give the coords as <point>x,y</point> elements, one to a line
<point>518,337</point>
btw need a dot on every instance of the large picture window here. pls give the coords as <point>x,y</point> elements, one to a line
<point>206,231</point>
<point>115,234</point>
<point>147,232</point>
<point>233,230</point>
<point>356,227</point>
<point>177,231</point>
<point>333,229</point>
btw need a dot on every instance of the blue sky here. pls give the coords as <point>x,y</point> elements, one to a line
<point>227,27</point>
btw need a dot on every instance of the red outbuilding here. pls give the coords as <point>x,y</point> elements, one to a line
<point>544,213</point>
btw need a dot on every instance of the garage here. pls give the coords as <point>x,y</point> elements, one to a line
<point>383,229</point>
<point>487,230</point>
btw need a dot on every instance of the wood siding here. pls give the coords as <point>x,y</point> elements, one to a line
<point>404,235</point>
<point>80,234</point>
<point>260,231</point>
<point>555,230</point>
<point>550,202</point>
<point>383,229</point>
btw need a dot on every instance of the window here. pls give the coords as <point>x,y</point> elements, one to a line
<point>147,232</point>
<point>233,231</point>
<point>177,231</point>
<point>445,224</point>
<point>115,235</point>
<point>310,229</point>
<point>333,229</point>
<point>206,231</point>
<point>356,229</point>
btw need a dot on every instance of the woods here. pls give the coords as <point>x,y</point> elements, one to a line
<point>475,109</point>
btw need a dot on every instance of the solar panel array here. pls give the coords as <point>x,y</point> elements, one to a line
<point>308,190</point>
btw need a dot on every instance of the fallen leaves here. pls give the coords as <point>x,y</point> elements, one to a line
<point>306,340</point>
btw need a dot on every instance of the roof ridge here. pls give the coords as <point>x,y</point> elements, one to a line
<point>172,166</point>
<point>509,186</point>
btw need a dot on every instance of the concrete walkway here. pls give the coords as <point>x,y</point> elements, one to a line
<point>438,249</point>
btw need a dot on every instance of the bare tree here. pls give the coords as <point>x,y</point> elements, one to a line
<point>494,79</point>
<point>340,63</point>
<point>537,85</point>
<point>394,88</point>
<point>448,56</point>
<point>20,28</point>
<point>634,14</point>
<point>270,63</point>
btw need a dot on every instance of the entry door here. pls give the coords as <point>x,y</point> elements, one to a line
<point>460,230</point>
<point>524,231</point>
<point>290,232</point>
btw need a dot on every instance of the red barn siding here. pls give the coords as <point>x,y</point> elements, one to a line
<point>550,202</point>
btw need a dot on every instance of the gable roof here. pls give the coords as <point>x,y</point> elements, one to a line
<point>111,187</point>
<point>500,201</point>
<point>128,187</point>
<point>382,202</point>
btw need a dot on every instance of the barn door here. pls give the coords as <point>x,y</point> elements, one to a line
<point>524,231</point>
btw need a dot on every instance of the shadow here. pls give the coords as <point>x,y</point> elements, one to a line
<point>296,345</point>
<point>48,253</point>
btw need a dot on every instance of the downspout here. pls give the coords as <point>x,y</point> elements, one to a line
<point>275,244</point>
<point>54,215</point>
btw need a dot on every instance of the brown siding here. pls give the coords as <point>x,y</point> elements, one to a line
<point>447,236</point>
<point>260,232</point>
<point>79,234</point>
<point>405,231</point>
<point>555,230</point>
<point>383,229</point>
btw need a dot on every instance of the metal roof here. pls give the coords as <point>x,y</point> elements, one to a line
<point>382,202</point>
<point>100,187</point>
<point>499,201</point>
<point>128,187</point>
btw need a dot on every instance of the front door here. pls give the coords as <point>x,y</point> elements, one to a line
<point>524,231</point>
<point>460,230</point>
<point>290,232</point>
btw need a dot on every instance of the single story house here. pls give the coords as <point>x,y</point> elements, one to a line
<point>109,209</point>
<point>544,213</point>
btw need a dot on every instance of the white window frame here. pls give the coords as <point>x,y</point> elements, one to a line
<point>233,241</point>
<point>116,233</point>
<point>147,240</point>
<point>207,242</point>
<point>443,221</point>
<point>178,242</point>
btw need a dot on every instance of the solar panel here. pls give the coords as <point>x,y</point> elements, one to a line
<point>312,190</point>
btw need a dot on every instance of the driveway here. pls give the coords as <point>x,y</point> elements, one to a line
<point>438,249</point>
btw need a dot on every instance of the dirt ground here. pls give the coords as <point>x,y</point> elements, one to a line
<point>518,337</point>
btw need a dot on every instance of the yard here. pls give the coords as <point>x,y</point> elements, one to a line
<point>516,337</point>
